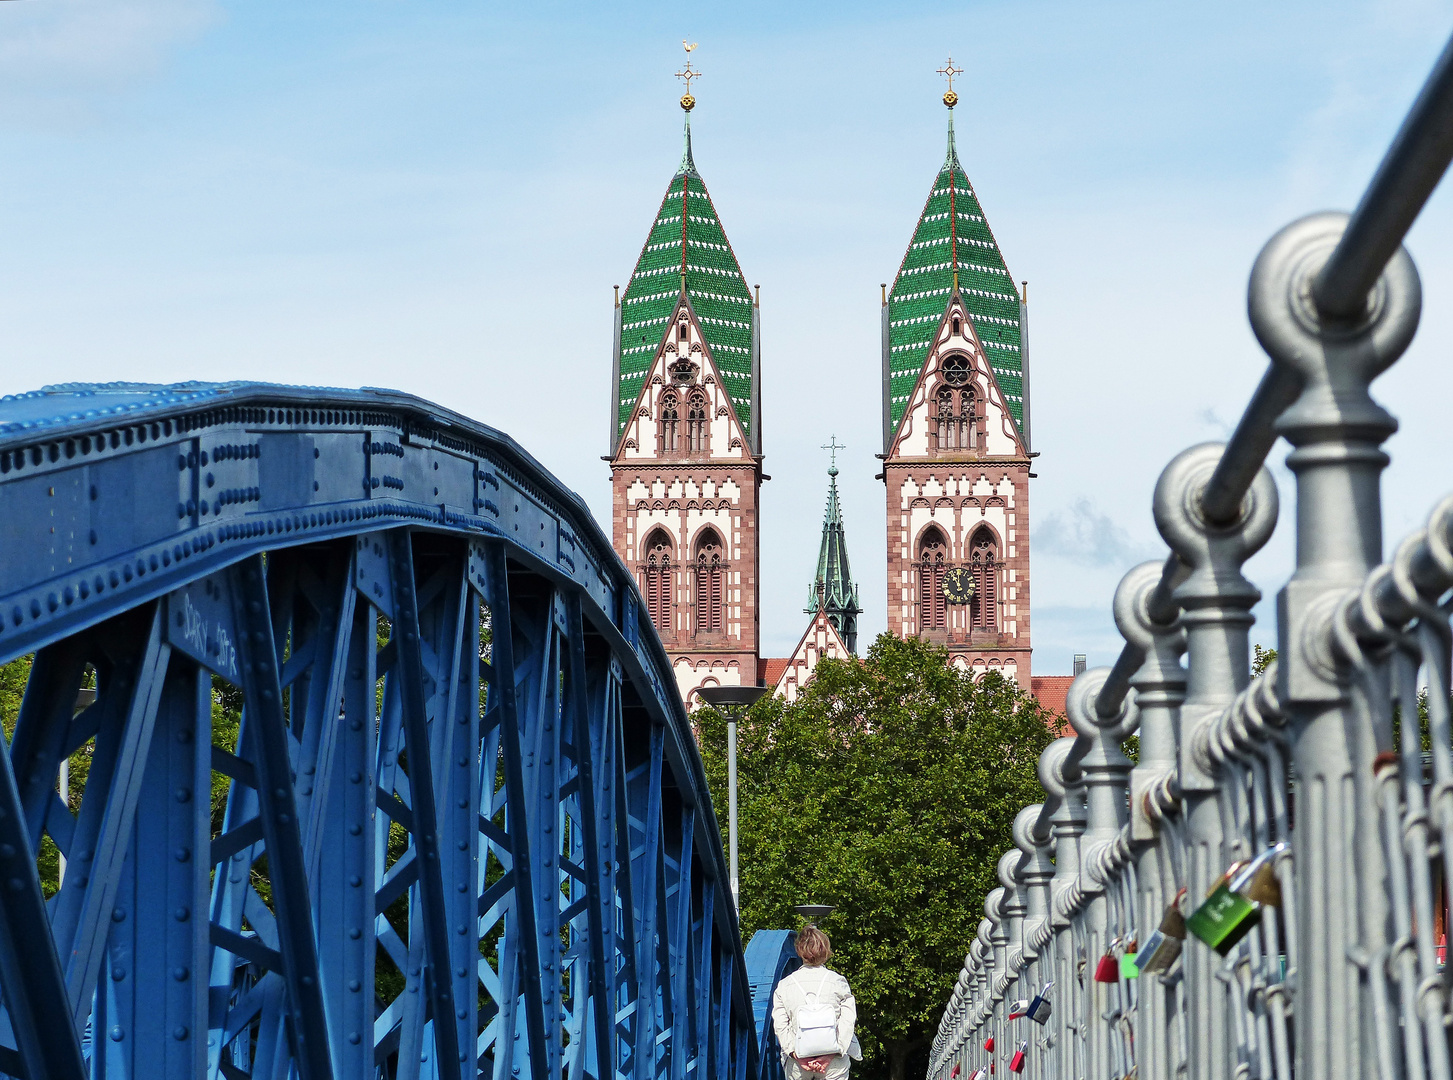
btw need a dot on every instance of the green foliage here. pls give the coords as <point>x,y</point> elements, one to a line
<point>1261,659</point>
<point>889,788</point>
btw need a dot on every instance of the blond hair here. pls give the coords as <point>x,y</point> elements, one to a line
<point>813,946</point>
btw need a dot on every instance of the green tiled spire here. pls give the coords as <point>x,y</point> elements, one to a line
<point>833,589</point>
<point>952,246</point>
<point>693,255</point>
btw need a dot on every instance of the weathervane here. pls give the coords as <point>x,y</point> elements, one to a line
<point>834,446</point>
<point>687,74</point>
<point>949,71</point>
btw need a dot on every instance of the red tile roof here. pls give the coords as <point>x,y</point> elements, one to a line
<point>1051,691</point>
<point>770,669</point>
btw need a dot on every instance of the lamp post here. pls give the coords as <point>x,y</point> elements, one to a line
<point>732,700</point>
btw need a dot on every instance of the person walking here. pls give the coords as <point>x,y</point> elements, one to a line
<point>813,1013</point>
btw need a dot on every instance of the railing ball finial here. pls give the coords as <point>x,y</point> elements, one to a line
<point>1053,765</point>
<point>1080,705</point>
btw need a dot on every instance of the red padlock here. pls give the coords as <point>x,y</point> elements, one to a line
<point>954,1073</point>
<point>989,1044</point>
<point>1107,970</point>
<point>1016,1063</point>
<point>991,1068</point>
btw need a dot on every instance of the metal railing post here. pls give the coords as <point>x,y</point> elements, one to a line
<point>1062,782</point>
<point>1216,602</point>
<point>1337,430</point>
<point>999,938</point>
<point>1036,869</point>
<point>1160,687</point>
<point>1105,768</point>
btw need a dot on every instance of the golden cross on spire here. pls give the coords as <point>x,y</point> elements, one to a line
<point>687,74</point>
<point>949,72</point>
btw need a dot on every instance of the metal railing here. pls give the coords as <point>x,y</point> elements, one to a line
<point>1263,891</point>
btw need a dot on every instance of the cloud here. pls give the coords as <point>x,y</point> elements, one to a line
<point>1088,537</point>
<point>58,58</point>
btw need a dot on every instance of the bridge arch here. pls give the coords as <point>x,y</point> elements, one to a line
<point>462,755</point>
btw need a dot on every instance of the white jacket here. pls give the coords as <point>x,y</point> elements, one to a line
<point>831,989</point>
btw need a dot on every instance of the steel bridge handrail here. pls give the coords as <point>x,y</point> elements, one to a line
<point>1409,173</point>
<point>1106,873</point>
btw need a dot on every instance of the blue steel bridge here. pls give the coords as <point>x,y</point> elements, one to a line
<point>451,697</point>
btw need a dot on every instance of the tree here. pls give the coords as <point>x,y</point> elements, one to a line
<point>889,789</point>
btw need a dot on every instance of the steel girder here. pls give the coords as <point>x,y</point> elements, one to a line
<point>771,954</point>
<point>462,768</point>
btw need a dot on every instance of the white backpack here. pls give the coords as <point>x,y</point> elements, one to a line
<point>816,1026</point>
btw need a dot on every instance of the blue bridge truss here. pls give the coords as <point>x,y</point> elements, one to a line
<point>462,761</point>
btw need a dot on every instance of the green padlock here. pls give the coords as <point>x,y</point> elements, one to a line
<point>1231,910</point>
<point>1128,968</point>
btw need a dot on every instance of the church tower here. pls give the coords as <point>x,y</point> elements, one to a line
<point>956,451</point>
<point>833,591</point>
<point>685,436</point>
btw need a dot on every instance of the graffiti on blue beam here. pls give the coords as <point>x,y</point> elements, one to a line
<point>462,829</point>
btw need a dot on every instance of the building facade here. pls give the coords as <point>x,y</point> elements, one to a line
<point>686,447</point>
<point>685,438</point>
<point>956,455</point>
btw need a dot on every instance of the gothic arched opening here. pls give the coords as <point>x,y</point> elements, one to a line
<point>710,582</point>
<point>932,562</point>
<point>984,565</point>
<point>656,580</point>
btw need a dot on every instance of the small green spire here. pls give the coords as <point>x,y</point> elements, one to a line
<point>833,590</point>
<point>950,161</point>
<point>688,164</point>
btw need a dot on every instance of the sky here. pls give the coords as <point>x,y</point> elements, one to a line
<point>438,196</point>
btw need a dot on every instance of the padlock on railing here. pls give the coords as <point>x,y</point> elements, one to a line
<point>1235,902</point>
<point>978,1074</point>
<point>1128,969</point>
<point>1016,1063</point>
<point>1108,969</point>
<point>989,1044</point>
<point>1163,947</point>
<point>1019,1008</point>
<point>1039,1008</point>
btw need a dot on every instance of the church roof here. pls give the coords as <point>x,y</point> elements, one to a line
<point>953,247</point>
<point>832,587</point>
<point>687,249</point>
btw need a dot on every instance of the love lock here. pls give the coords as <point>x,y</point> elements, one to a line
<point>1128,970</point>
<point>1016,1063</point>
<point>1108,969</point>
<point>1039,1009</point>
<point>1235,902</point>
<point>1163,947</point>
<point>1019,1008</point>
<point>989,1044</point>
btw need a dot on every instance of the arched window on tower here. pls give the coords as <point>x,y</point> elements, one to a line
<point>955,415</point>
<point>948,427</point>
<point>984,564</point>
<point>670,423</point>
<point>710,583</point>
<point>932,562</point>
<point>656,580</point>
<point>697,424</point>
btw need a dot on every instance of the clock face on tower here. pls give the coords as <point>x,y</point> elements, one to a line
<point>958,585</point>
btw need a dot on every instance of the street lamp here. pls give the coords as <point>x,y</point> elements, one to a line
<point>812,912</point>
<point>732,700</point>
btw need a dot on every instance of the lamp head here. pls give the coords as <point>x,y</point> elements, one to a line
<point>732,697</point>
<point>813,912</point>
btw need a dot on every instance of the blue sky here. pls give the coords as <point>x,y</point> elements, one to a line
<point>438,197</point>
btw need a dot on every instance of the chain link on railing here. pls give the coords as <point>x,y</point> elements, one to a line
<point>1263,891</point>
